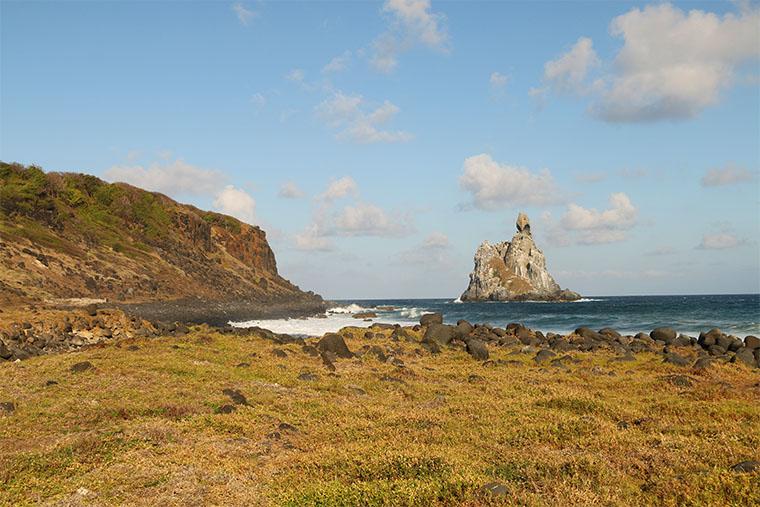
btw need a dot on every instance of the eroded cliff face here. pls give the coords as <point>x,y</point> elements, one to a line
<point>75,236</point>
<point>513,271</point>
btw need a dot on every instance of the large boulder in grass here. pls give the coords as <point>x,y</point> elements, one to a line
<point>477,349</point>
<point>334,343</point>
<point>663,334</point>
<point>589,334</point>
<point>681,341</point>
<point>440,334</point>
<point>463,328</point>
<point>745,356</point>
<point>709,338</point>
<point>677,360</point>
<point>431,318</point>
<point>752,342</point>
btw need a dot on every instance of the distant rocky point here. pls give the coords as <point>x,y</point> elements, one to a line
<point>514,271</point>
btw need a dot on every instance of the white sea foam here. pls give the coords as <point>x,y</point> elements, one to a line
<point>411,313</point>
<point>317,326</point>
<point>352,308</point>
<point>458,300</point>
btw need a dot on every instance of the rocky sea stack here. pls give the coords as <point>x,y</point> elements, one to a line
<point>514,271</point>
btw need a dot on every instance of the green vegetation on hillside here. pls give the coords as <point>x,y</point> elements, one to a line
<point>83,205</point>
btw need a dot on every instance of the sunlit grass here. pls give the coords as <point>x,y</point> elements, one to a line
<point>142,428</point>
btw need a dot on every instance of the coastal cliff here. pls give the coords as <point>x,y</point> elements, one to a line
<point>65,236</point>
<point>514,271</point>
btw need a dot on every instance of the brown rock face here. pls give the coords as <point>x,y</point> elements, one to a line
<point>76,236</point>
<point>513,270</point>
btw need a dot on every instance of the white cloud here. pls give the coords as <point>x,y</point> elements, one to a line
<point>360,219</point>
<point>591,177</point>
<point>719,241</point>
<point>495,186</point>
<point>346,114</point>
<point>180,178</point>
<point>369,220</point>
<point>498,80</point>
<point>173,178</point>
<point>287,114</point>
<point>412,22</point>
<point>337,64</point>
<point>729,175</point>
<point>237,203</point>
<point>436,240</point>
<point>296,75</point>
<point>339,188</point>
<point>259,101</point>
<point>607,226</point>
<point>289,190</point>
<point>568,72</point>
<point>244,14</point>
<point>660,251</point>
<point>433,253</point>
<point>312,239</point>
<point>673,64</point>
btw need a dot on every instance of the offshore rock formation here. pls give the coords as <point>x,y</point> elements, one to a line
<point>514,271</point>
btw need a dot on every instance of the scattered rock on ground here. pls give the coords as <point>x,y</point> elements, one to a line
<point>332,342</point>
<point>80,367</point>
<point>665,334</point>
<point>495,488</point>
<point>439,334</point>
<point>544,355</point>
<point>675,359</point>
<point>477,349</point>
<point>236,396</point>
<point>746,466</point>
<point>431,318</point>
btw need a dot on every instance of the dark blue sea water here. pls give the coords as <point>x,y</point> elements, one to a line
<point>733,314</point>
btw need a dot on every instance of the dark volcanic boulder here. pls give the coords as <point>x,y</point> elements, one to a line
<point>608,331</point>
<point>80,367</point>
<point>703,363</point>
<point>681,341</point>
<point>440,334</point>
<point>477,349</point>
<point>463,328</point>
<point>589,334</point>
<point>664,334</point>
<point>431,318</point>
<point>334,343</point>
<point>746,466</point>
<point>5,352</point>
<point>745,356</point>
<point>544,355</point>
<point>752,342</point>
<point>676,359</point>
<point>709,338</point>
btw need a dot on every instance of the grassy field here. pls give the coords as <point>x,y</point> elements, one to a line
<point>142,427</point>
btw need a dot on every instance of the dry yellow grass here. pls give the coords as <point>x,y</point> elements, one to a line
<point>141,428</point>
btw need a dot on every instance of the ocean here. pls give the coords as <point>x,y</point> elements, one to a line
<point>733,314</point>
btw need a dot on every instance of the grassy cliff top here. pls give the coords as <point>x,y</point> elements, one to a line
<point>67,235</point>
<point>143,426</point>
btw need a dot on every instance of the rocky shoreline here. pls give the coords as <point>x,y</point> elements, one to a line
<point>219,313</point>
<point>35,332</point>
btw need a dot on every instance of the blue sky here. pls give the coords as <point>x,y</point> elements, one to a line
<point>378,143</point>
